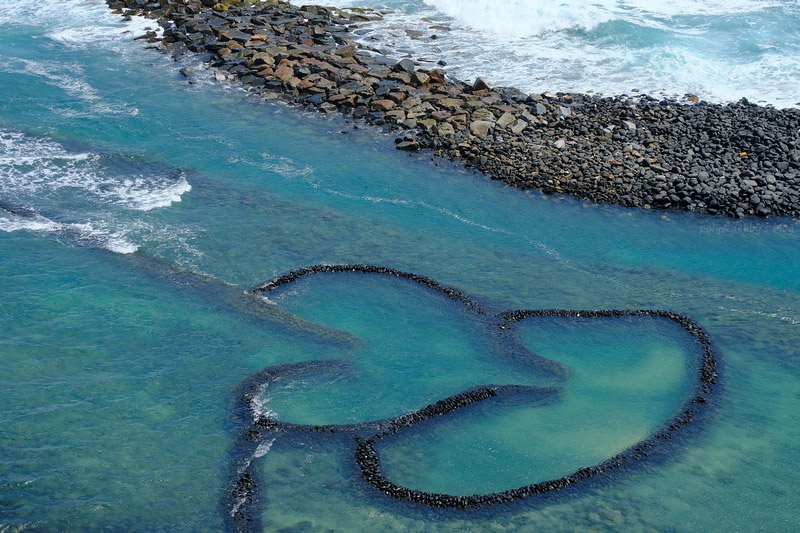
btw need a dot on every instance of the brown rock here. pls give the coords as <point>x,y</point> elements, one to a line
<point>445,129</point>
<point>346,51</point>
<point>419,78</point>
<point>411,101</point>
<point>346,61</point>
<point>340,98</point>
<point>324,83</point>
<point>437,76</point>
<point>427,123</point>
<point>263,59</point>
<point>284,72</point>
<point>276,50</point>
<point>451,103</point>
<point>358,69</point>
<point>408,146</point>
<point>382,105</point>
<point>234,35</point>
<point>402,77</point>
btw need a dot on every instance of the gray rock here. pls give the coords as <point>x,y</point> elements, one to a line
<point>483,114</point>
<point>517,126</point>
<point>480,85</point>
<point>481,128</point>
<point>505,120</point>
<point>404,65</point>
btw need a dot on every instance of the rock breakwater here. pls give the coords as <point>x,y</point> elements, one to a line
<point>738,159</point>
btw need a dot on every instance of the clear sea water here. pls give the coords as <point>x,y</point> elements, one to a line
<point>137,210</point>
<point>719,50</point>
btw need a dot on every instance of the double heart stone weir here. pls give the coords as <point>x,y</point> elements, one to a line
<point>242,499</point>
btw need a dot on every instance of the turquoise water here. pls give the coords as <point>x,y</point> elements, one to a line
<point>144,208</point>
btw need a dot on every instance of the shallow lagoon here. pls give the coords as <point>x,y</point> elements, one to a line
<point>120,368</point>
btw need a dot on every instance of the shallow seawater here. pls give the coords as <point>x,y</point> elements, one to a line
<point>625,380</point>
<point>138,210</point>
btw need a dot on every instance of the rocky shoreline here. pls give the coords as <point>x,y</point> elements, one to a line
<point>739,159</point>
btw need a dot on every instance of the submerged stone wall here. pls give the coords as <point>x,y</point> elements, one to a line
<point>739,159</point>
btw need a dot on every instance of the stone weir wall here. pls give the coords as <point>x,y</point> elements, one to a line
<point>738,159</point>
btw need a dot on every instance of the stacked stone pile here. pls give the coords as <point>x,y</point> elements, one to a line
<point>739,159</point>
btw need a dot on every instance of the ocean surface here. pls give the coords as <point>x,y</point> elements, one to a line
<point>719,50</point>
<point>139,207</point>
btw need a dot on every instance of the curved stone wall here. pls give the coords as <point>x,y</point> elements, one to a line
<point>255,427</point>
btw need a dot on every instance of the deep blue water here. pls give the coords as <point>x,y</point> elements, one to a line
<point>139,208</point>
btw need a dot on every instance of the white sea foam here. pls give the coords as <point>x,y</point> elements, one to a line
<point>114,29</point>
<point>86,195</point>
<point>524,18</point>
<point>85,234</point>
<point>258,404</point>
<point>263,448</point>
<point>39,167</point>
<point>75,23</point>
<point>719,50</point>
<point>12,222</point>
<point>138,193</point>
